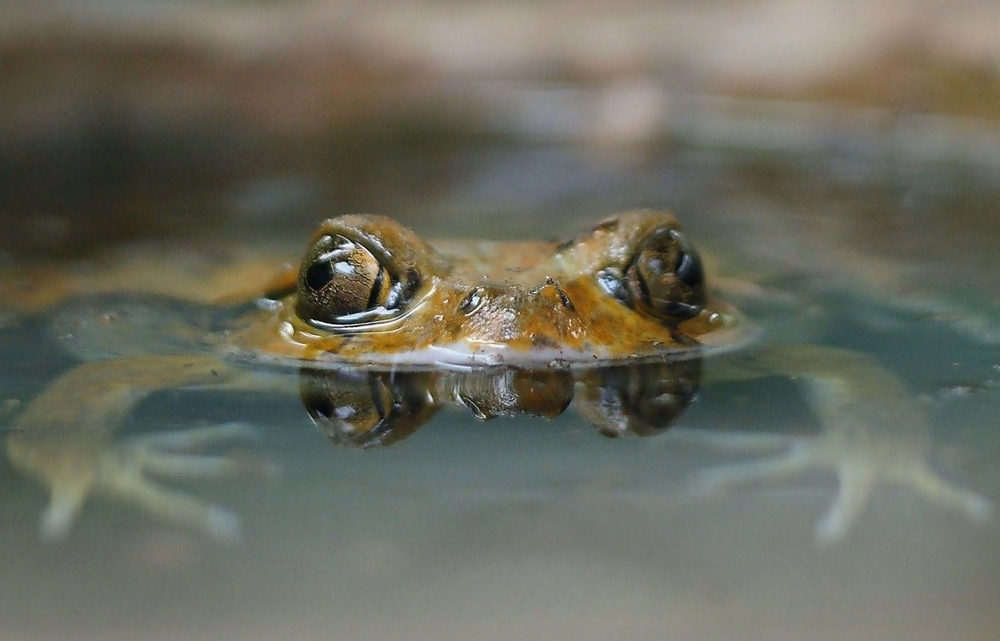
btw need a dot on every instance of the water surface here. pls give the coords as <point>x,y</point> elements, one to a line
<point>531,528</point>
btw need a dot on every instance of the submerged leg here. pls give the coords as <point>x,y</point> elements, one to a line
<point>176,507</point>
<point>934,488</point>
<point>856,485</point>
<point>715,479</point>
<point>873,432</point>
<point>65,439</point>
<point>198,438</point>
<point>75,469</point>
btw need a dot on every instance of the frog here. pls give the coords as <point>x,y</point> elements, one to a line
<point>623,314</point>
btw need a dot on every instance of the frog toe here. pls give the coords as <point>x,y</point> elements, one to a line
<point>189,467</point>
<point>64,506</point>
<point>176,507</point>
<point>170,454</point>
<point>715,479</point>
<point>856,484</point>
<point>199,438</point>
<point>936,489</point>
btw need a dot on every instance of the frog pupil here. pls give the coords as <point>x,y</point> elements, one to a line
<point>319,274</point>
<point>374,298</point>
<point>688,268</point>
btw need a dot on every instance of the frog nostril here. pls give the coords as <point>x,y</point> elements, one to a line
<point>471,301</point>
<point>563,296</point>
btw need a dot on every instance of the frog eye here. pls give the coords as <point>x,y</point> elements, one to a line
<point>340,278</point>
<point>664,277</point>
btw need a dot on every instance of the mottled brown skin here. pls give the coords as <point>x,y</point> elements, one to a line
<point>629,293</point>
<point>515,302</point>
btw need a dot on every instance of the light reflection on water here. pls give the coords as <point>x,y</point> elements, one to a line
<point>522,527</point>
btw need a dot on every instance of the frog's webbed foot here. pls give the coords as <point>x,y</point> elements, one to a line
<point>74,471</point>
<point>858,472</point>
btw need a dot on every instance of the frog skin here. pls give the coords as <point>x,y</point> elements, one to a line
<point>421,325</point>
<point>371,292</point>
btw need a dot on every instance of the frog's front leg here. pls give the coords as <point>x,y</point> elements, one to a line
<point>64,438</point>
<point>873,432</point>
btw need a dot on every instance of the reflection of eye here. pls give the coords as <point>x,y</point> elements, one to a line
<point>664,277</point>
<point>639,399</point>
<point>366,409</point>
<point>340,277</point>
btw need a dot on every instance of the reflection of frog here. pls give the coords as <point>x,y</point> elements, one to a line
<point>372,302</point>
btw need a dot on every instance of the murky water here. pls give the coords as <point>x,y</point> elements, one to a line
<point>532,528</point>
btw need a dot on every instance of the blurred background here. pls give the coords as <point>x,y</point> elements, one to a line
<point>122,121</point>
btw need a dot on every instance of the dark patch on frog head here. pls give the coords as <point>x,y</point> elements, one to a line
<point>544,341</point>
<point>609,225</point>
<point>683,340</point>
<point>563,296</point>
<point>564,245</point>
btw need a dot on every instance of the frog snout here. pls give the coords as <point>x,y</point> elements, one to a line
<point>508,314</point>
<point>551,293</point>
